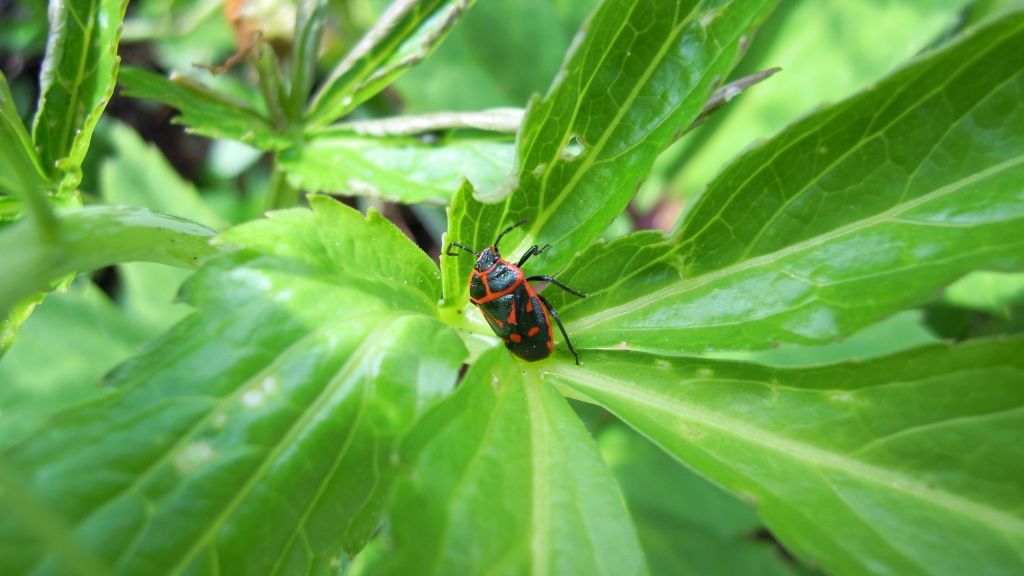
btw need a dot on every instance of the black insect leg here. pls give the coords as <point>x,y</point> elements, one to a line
<point>533,251</point>
<point>449,252</point>
<point>557,283</point>
<point>554,314</point>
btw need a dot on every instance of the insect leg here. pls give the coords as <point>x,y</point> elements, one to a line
<point>449,252</point>
<point>554,314</point>
<point>559,284</point>
<point>533,251</point>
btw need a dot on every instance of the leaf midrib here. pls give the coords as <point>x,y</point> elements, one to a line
<point>878,134</point>
<point>348,370</point>
<point>770,441</point>
<point>465,473</point>
<point>353,430</point>
<point>683,287</point>
<point>69,122</point>
<point>539,441</point>
<point>591,156</point>
<point>873,132</point>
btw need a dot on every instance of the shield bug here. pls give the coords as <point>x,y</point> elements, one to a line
<point>512,307</point>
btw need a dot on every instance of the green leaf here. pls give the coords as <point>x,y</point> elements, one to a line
<point>91,238</point>
<point>342,242</point>
<point>20,171</point>
<point>901,331</point>
<point>76,82</point>
<point>993,292</point>
<point>60,356</point>
<point>905,465</point>
<point>18,500</point>
<point>309,26</point>
<point>138,175</point>
<point>820,63</point>
<point>858,211</point>
<point>10,208</point>
<point>204,111</point>
<point>268,416</point>
<point>622,96</point>
<point>401,169</point>
<point>505,479</point>
<point>505,120</point>
<point>686,524</point>
<point>405,34</point>
<point>537,32</point>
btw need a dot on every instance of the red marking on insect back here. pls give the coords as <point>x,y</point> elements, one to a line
<point>532,331</point>
<point>520,279</point>
<point>529,305</point>
<point>512,315</point>
<point>515,337</point>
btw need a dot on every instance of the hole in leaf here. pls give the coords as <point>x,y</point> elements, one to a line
<point>572,149</point>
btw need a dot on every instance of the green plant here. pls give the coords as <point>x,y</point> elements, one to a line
<point>310,398</point>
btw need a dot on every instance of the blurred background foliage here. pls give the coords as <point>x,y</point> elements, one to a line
<point>502,52</point>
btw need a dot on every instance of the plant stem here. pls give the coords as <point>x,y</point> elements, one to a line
<point>271,84</point>
<point>309,26</point>
<point>281,193</point>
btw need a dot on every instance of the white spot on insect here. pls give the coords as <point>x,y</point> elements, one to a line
<point>731,92</point>
<point>192,457</point>
<point>622,345</point>
<point>705,373</point>
<point>538,170</point>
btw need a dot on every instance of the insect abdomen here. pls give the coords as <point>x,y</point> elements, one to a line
<point>530,339</point>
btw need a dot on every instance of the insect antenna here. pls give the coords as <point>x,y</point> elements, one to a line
<point>464,247</point>
<point>509,229</point>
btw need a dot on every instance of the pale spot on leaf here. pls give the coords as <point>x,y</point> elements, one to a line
<point>192,457</point>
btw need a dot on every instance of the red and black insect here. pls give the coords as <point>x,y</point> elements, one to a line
<point>515,311</point>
